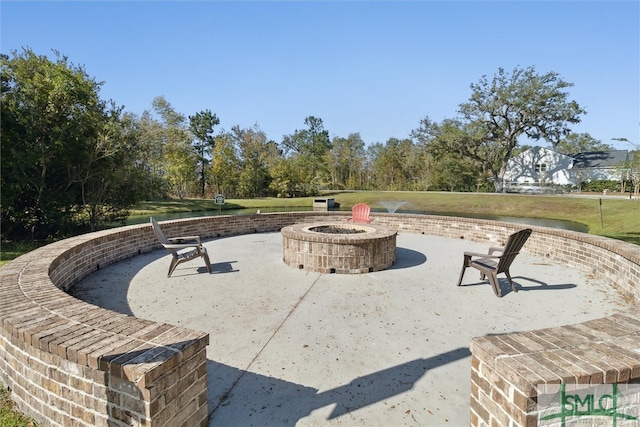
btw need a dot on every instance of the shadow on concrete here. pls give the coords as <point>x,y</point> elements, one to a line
<point>116,285</point>
<point>220,268</point>
<point>505,287</point>
<point>283,403</point>
<point>540,285</point>
<point>406,258</point>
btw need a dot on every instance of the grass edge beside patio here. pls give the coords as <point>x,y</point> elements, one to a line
<point>608,216</point>
<point>620,216</point>
<point>10,416</point>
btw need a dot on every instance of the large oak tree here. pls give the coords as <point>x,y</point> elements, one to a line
<point>510,106</point>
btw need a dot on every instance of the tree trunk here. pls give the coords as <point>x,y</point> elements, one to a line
<point>498,183</point>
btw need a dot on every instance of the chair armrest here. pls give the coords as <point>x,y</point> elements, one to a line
<point>477,254</point>
<point>181,245</point>
<point>495,249</point>
<point>185,238</point>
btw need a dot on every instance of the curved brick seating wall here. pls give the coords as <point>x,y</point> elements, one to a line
<point>72,363</point>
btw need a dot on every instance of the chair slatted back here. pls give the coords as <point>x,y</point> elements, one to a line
<point>360,212</point>
<point>161,236</point>
<point>158,231</point>
<point>512,249</point>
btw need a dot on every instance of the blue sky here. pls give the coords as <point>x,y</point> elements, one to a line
<point>373,67</point>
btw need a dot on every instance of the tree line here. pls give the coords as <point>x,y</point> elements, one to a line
<point>73,162</point>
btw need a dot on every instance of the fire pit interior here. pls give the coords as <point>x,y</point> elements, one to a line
<point>337,230</point>
<point>343,248</point>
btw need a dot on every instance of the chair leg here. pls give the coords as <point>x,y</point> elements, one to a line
<point>464,267</point>
<point>513,287</point>
<point>465,264</point>
<point>205,255</point>
<point>174,264</point>
<point>493,279</point>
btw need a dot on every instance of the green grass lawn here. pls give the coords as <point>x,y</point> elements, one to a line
<point>618,218</point>
<point>9,415</point>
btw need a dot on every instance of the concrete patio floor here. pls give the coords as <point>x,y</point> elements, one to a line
<point>289,347</point>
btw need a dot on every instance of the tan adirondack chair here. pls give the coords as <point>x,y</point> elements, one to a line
<point>360,213</point>
<point>491,265</point>
<point>182,249</point>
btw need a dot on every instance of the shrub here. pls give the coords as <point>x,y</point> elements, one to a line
<point>598,186</point>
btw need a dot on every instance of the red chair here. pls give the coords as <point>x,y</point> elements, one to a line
<point>360,213</point>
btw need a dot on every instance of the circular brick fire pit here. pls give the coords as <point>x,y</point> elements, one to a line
<point>344,248</point>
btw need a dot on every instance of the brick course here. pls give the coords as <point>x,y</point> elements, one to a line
<point>71,363</point>
<point>373,250</point>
